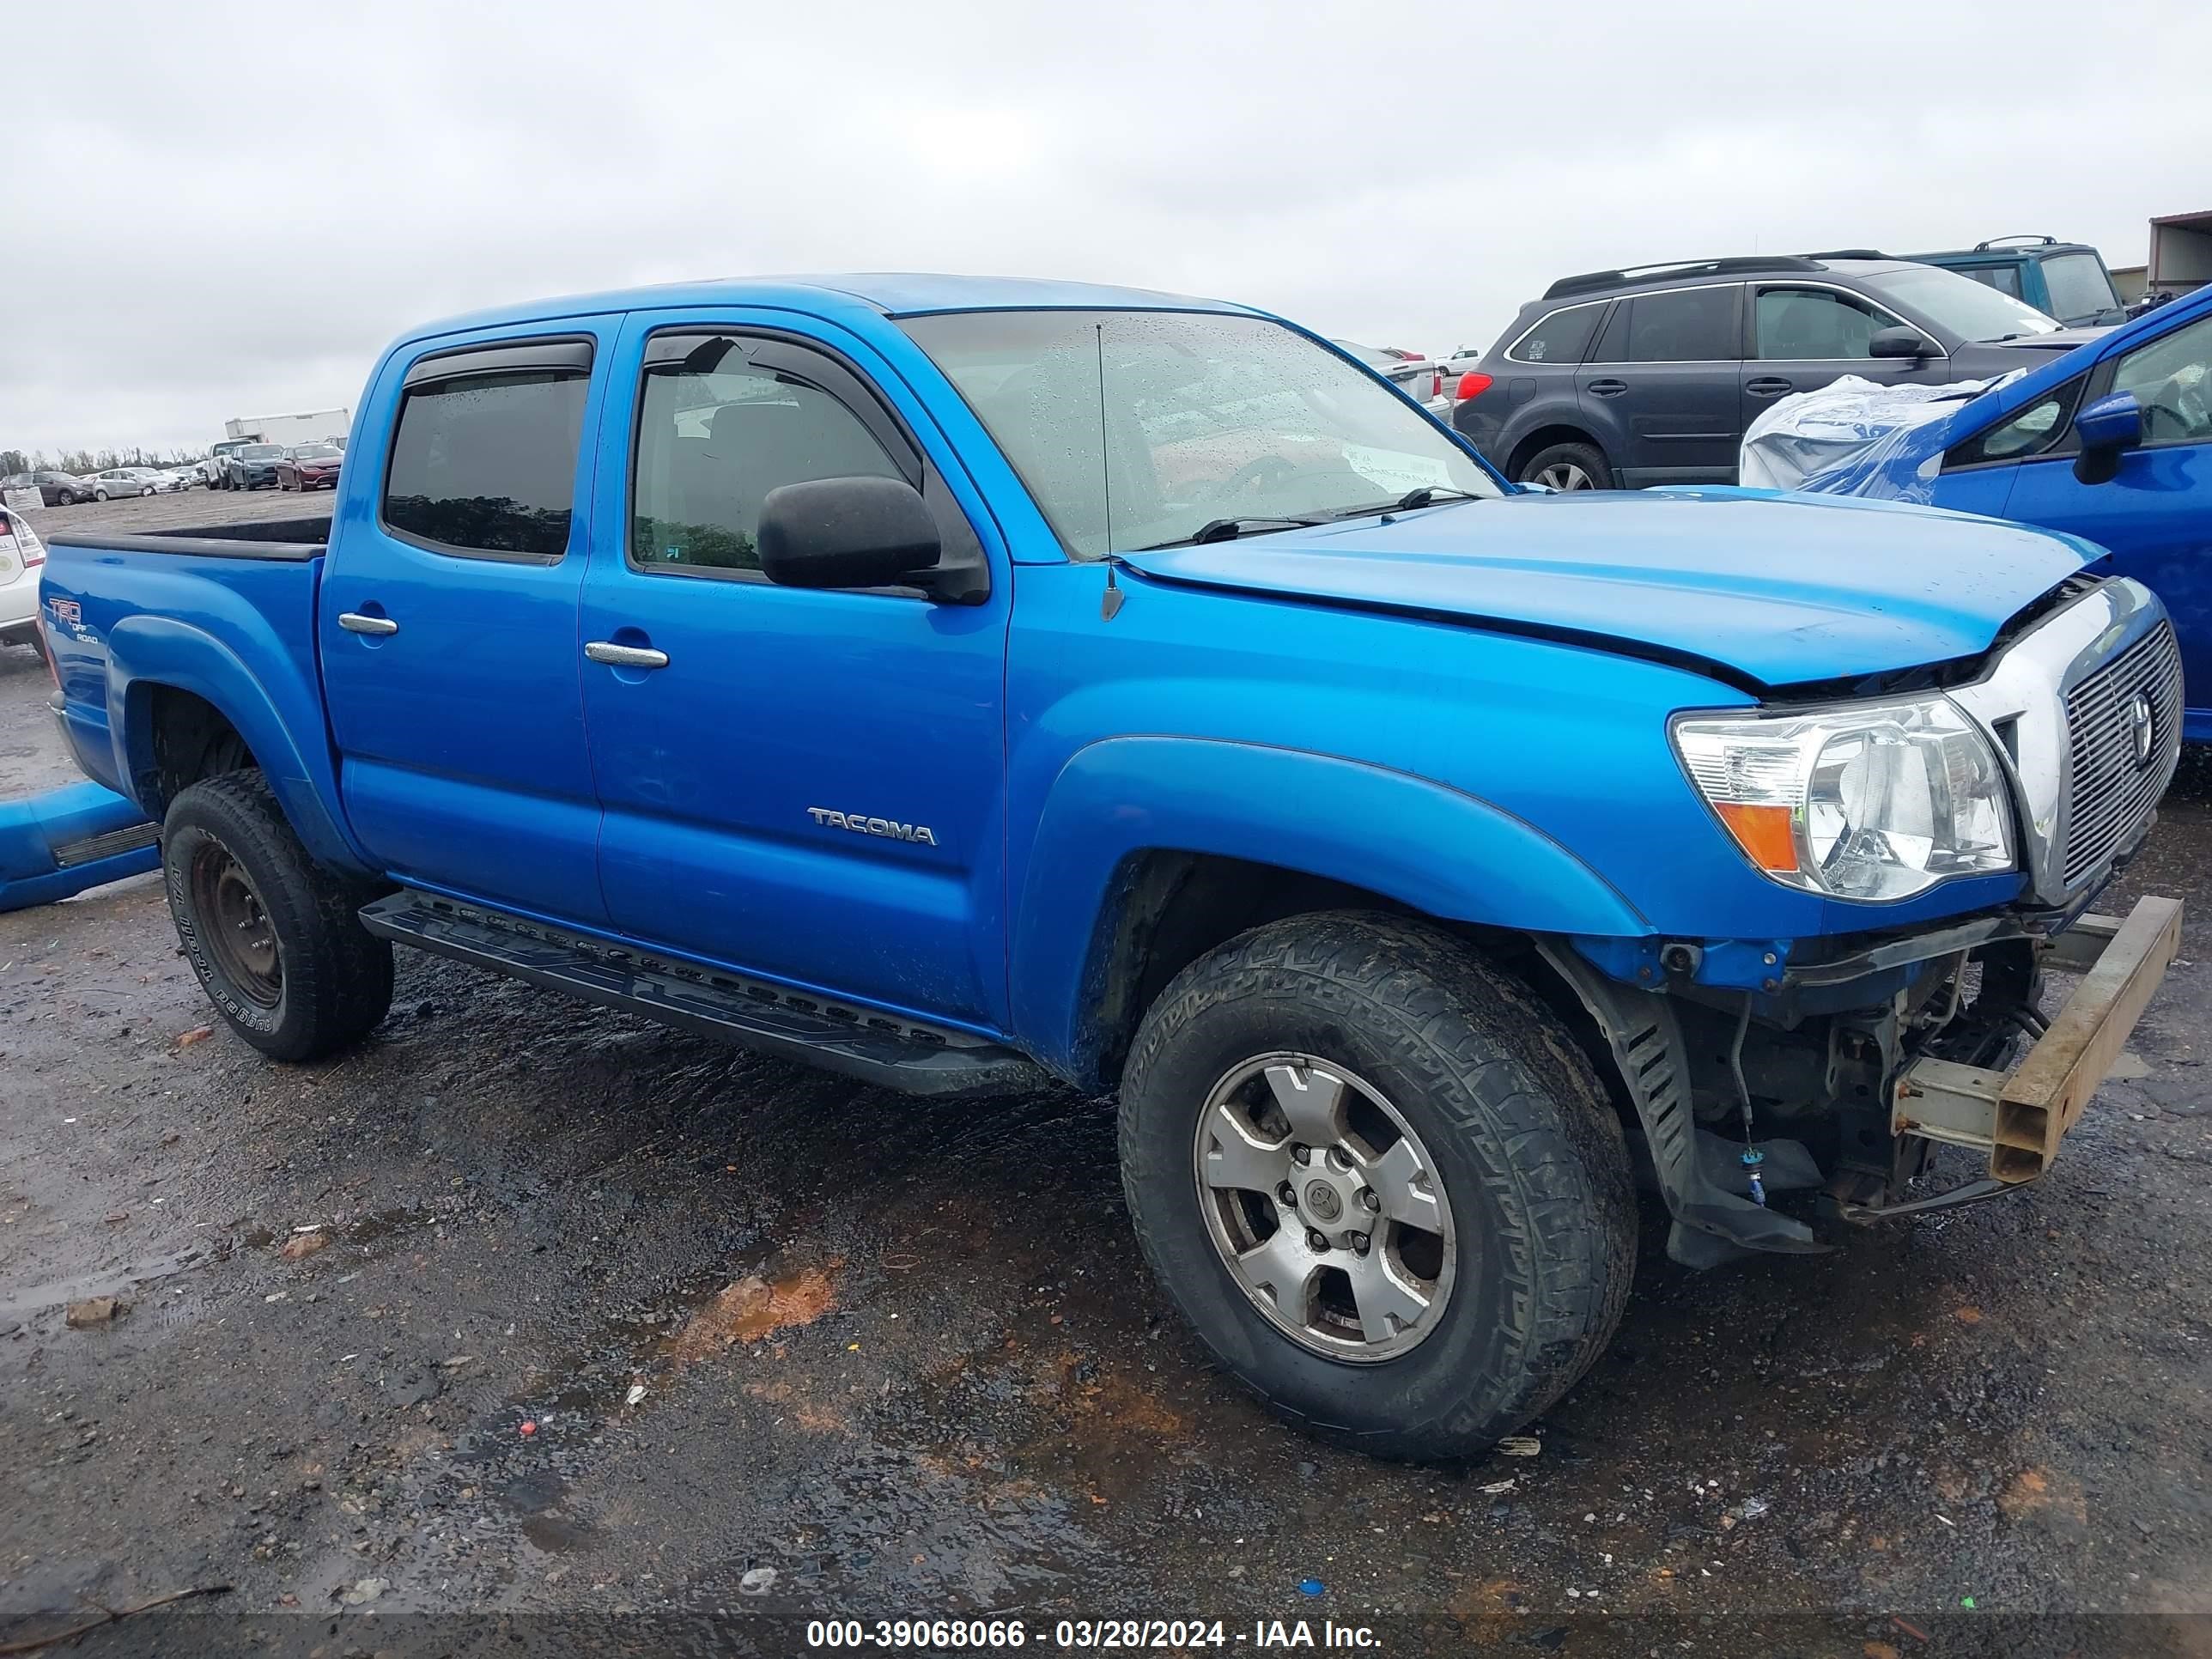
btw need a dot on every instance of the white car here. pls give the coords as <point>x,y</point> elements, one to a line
<point>1417,377</point>
<point>21,554</point>
<point>120,481</point>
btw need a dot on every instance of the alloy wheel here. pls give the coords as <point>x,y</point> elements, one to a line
<point>1325,1206</point>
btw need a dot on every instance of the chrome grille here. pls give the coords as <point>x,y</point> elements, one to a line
<point>2109,795</point>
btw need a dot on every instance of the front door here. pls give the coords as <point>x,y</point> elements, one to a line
<point>448,623</point>
<point>1664,378</point>
<point>804,785</point>
<point>1804,337</point>
<point>2155,514</point>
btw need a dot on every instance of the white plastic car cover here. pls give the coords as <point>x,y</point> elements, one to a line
<point>1810,431</point>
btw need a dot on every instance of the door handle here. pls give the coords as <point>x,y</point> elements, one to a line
<point>354,622</point>
<point>625,656</point>
<point>1606,388</point>
<point>1767,386</point>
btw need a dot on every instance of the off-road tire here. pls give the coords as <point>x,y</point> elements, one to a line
<point>337,976</point>
<point>1529,1153</point>
<point>1588,459</point>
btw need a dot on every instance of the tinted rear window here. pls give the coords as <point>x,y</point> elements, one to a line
<point>487,464</point>
<point>1685,325</point>
<point>1561,338</point>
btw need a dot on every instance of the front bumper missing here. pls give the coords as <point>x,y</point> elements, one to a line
<point>2018,1117</point>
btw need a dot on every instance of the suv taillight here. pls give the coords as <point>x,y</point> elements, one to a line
<point>1473,384</point>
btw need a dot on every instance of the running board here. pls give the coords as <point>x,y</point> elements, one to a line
<point>878,1049</point>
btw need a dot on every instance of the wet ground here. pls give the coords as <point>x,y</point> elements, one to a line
<point>593,1322</point>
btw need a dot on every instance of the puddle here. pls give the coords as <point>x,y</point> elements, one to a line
<point>115,1282</point>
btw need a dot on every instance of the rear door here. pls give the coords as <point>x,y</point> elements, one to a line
<point>1804,336</point>
<point>804,784</point>
<point>1664,377</point>
<point>449,620</point>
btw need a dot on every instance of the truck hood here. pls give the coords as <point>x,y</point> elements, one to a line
<point>1772,589</point>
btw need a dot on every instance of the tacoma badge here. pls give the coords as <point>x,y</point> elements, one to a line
<point>861,825</point>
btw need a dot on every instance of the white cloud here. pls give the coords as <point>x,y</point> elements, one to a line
<point>228,210</point>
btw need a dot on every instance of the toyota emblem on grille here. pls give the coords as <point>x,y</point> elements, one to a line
<point>2139,728</point>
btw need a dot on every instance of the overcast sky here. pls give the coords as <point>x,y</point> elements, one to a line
<point>217,211</point>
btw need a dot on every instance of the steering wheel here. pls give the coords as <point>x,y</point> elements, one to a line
<point>1267,467</point>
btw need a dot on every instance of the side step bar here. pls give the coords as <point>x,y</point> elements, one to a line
<point>878,1049</point>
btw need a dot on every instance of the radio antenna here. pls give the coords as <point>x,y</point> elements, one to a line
<point>1110,602</point>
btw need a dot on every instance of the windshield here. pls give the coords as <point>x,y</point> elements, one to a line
<point>261,452</point>
<point>313,452</point>
<point>1958,304</point>
<point>2078,285</point>
<point>1137,428</point>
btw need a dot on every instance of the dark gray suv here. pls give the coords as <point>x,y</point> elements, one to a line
<point>1649,375</point>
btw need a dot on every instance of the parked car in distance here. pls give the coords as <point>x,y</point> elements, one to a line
<point>22,556</point>
<point>218,461</point>
<point>2065,280</point>
<point>1398,844</point>
<point>310,467</point>
<point>1651,375</point>
<point>251,466</point>
<point>55,488</point>
<point>1416,376</point>
<point>2112,442</point>
<point>120,481</point>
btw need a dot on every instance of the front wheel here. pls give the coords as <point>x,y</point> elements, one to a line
<point>274,939</point>
<point>67,498</point>
<point>1568,466</point>
<point>100,494</point>
<point>1380,1179</point>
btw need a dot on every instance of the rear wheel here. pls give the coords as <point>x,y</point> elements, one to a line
<point>1568,466</point>
<point>274,938</point>
<point>1381,1180</point>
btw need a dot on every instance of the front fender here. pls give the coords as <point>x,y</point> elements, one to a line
<point>147,651</point>
<point>1420,843</point>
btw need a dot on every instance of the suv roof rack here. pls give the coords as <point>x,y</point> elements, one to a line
<point>1626,275</point>
<point>1849,253</point>
<point>2029,239</point>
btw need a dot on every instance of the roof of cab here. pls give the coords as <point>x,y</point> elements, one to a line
<point>889,294</point>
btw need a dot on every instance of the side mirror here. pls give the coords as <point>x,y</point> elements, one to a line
<point>846,532</point>
<point>1901,342</point>
<point>2106,429</point>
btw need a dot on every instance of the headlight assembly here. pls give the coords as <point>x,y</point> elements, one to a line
<point>1873,802</point>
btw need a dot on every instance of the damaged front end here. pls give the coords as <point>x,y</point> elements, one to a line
<point>1822,1072</point>
<point>1748,1097</point>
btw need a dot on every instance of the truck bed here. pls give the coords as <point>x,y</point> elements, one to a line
<point>228,617</point>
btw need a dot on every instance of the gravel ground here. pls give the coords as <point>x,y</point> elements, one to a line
<point>616,1339</point>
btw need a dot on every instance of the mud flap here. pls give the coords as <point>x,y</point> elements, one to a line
<point>1712,1222</point>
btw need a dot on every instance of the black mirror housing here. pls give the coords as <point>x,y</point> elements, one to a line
<point>847,533</point>
<point>1901,343</point>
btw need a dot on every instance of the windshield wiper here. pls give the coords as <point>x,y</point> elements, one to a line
<point>1429,495</point>
<point>1228,530</point>
<point>1426,495</point>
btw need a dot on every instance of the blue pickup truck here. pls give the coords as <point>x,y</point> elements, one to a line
<point>963,683</point>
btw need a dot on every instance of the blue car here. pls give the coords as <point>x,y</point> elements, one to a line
<point>2112,442</point>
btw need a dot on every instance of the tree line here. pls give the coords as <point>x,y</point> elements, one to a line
<point>84,462</point>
